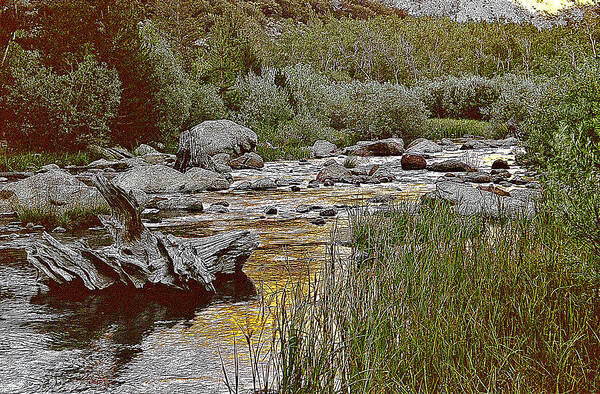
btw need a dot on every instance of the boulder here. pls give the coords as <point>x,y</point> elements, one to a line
<point>451,165</point>
<point>209,138</point>
<point>152,179</point>
<point>386,147</point>
<point>114,153</point>
<point>413,162</point>
<point>500,164</point>
<point>478,177</point>
<point>471,201</point>
<point>144,149</point>
<point>323,148</point>
<point>473,144</point>
<point>220,163</point>
<point>180,203</point>
<point>422,145</point>
<point>263,184</point>
<point>53,190</point>
<point>200,180</point>
<point>248,160</point>
<point>334,172</point>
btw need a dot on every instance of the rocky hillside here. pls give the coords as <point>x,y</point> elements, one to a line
<point>489,10</point>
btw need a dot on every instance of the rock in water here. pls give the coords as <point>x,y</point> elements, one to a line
<point>386,147</point>
<point>200,143</point>
<point>200,180</point>
<point>500,164</point>
<point>249,160</point>
<point>413,162</point>
<point>151,179</point>
<point>422,145</point>
<point>322,148</point>
<point>451,165</point>
<point>52,191</point>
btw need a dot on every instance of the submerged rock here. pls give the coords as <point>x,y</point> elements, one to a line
<point>200,180</point>
<point>500,164</point>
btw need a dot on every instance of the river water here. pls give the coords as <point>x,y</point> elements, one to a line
<point>127,343</point>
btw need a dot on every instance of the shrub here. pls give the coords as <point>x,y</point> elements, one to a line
<point>375,110</point>
<point>44,110</point>
<point>458,97</point>
<point>258,101</point>
<point>457,128</point>
<point>518,99</point>
<point>570,105</point>
<point>206,104</point>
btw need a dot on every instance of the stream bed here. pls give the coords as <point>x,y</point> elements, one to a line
<point>129,343</point>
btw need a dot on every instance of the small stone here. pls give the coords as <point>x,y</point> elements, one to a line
<point>500,165</point>
<point>218,209</point>
<point>328,212</point>
<point>59,230</point>
<point>302,208</point>
<point>150,211</point>
<point>3,179</point>
<point>314,184</point>
<point>316,207</point>
<point>222,203</point>
<point>328,182</point>
<point>271,211</point>
<point>295,188</point>
<point>318,221</point>
<point>517,180</point>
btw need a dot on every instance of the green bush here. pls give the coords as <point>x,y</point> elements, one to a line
<point>206,104</point>
<point>258,101</point>
<point>458,97</point>
<point>570,105</point>
<point>457,128</point>
<point>518,99</point>
<point>375,110</point>
<point>44,110</point>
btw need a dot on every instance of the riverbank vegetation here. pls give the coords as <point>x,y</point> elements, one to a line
<point>81,72</point>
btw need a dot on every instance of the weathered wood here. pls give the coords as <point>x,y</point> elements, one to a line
<point>139,257</point>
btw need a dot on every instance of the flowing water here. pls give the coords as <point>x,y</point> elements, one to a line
<point>128,343</point>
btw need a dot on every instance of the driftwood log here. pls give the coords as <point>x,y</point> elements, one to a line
<point>140,257</point>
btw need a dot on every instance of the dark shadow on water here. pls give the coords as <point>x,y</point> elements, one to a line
<point>124,316</point>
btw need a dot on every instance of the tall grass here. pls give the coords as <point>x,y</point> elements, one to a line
<point>73,219</point>
<point>434,302</point>
<point>23,161</point>
<point>457,128</point>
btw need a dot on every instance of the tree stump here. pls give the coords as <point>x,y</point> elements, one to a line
<point>139,257</point>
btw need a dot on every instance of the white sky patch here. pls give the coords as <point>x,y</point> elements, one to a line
<point>551,6</point>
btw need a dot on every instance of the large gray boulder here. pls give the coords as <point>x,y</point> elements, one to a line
<point>209,138</point>
<point>200,180</point>
<point>422,145</point>
<point>335,172</point>
<point>386,147</point>
<point>152,179</point>
<point>144,149</point>
<point>322,148</point>
<point>53,191</point>
<point>468,200</point>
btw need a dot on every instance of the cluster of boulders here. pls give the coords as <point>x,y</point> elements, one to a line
<point>210,151</point>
